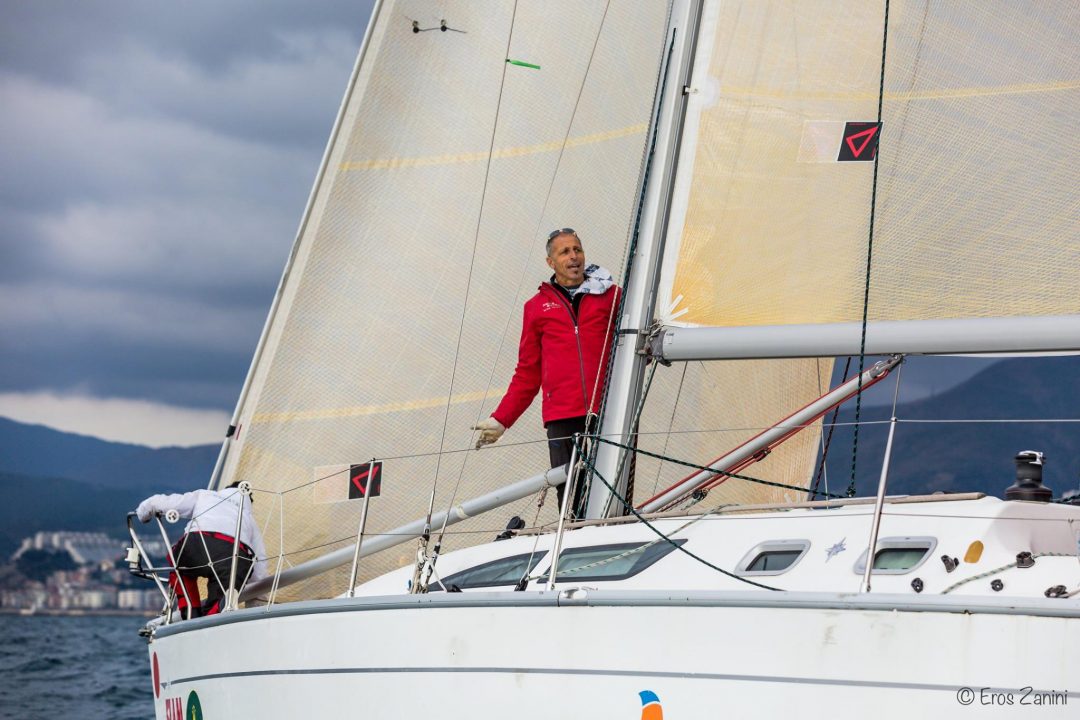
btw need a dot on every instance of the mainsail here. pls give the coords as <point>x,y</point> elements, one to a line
<point>398,317</point>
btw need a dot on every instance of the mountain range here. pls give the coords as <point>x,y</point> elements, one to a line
<point>930,454</point>
<point>52,480</point>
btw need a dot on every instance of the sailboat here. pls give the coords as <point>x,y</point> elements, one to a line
<point>776,184</point>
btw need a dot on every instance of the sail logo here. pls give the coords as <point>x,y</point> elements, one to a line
<point>650,706</point>
<point>365,480</point>
<point>860,142</point>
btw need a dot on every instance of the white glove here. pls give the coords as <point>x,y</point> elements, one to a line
<point>145,511</point>
<point>490,431</point>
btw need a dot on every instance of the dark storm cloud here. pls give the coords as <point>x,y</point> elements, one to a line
<point>156,158</point>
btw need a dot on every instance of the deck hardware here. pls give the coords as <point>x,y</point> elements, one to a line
<point>232,595</point>
<point>917,585</point>
<point>573,595</point>
<point>568,493</point>
<point>368,490</point>
<point>883,479</point>
<point>950,563</point>
<point>515,524</point>
<point>997,585</point>
<point>1024,560</point>
<point>1056,591</point>
<point>1029,478</point>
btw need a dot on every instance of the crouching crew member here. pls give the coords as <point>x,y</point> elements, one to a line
<point>206,548</point>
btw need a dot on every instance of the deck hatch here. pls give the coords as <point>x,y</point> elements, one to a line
<point>609,562</point>
<point>504,571</point>
<point>773,557</point>
<point>898,555</point>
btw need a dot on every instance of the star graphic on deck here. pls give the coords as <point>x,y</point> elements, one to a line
<point>835,550</point>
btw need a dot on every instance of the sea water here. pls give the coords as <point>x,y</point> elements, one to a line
<point>74,667</point>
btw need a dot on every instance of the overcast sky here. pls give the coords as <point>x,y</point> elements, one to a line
<point>156,159</point>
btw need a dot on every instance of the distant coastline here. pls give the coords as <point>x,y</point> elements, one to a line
<point>56,612</point>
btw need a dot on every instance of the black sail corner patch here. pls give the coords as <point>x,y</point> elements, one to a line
<point>860,142</point>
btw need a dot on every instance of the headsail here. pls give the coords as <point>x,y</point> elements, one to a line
<point>398,318</point>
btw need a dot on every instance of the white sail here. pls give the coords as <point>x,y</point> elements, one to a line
<point>975,214</point>
<point>976,209</point>
<point>398,318</point>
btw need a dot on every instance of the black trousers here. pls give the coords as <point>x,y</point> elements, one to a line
<point>207,555</point>
<point>560,446</point>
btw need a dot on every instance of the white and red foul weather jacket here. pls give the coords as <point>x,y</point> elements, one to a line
<point>213,512</point>
<point>563,353</point>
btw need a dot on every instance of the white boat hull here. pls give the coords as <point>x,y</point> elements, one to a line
<point>704,654</point>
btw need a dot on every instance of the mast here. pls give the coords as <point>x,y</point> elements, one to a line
<point>628,367</point>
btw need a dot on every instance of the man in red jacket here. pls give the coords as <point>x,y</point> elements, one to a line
<point>568,328</point>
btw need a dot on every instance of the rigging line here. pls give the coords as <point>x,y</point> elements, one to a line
<point>671,424</point>
<point>869,256</point>
<point>635,419</point>
<point>523,582</point>
<point>615,313</point>
<point>646,546</point>
<point>536,232</point>
<point>476,240</point>
<point>828,440</point>
<point>661,86</point>
<point>677,546</point>
<point>706,468</point>
<point>543,209</point>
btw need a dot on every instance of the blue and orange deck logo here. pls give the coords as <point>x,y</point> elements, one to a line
<point>650,706</point>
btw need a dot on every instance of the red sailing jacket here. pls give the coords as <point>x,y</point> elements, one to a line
<point>562,353</point>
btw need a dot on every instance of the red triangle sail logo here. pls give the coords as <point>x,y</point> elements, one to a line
<point>866,136</point>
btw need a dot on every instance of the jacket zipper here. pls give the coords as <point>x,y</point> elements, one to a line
<point>577,339</point>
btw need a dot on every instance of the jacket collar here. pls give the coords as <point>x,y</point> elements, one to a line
<point>597,281</point>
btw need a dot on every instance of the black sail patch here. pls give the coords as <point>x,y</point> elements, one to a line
<point>860,142</point>
<point>365,479</point>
